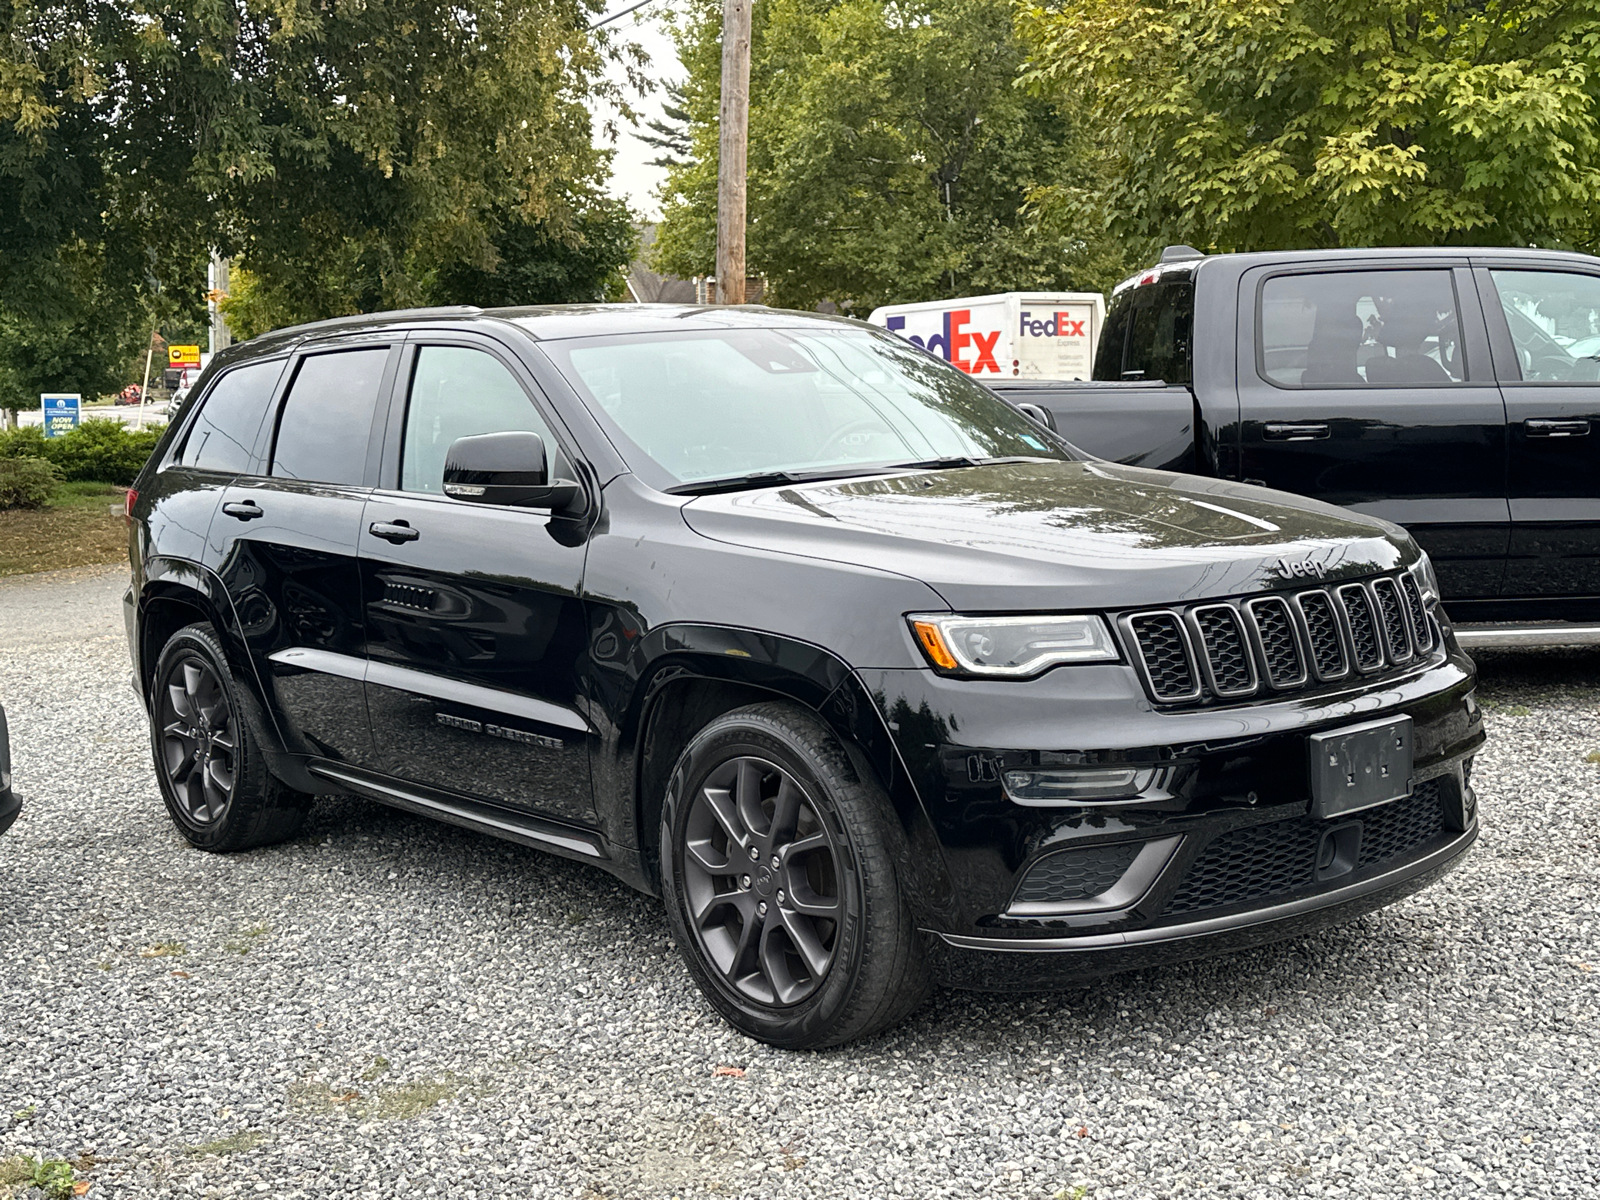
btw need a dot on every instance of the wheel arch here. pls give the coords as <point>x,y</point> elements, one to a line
<point>690,674</point>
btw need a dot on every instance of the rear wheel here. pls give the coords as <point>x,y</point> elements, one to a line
<point>780,886</point>
<point>208,760</point>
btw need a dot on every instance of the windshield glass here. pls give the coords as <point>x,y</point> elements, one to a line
<point>725,403</point>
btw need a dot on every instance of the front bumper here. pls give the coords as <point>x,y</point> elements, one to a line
<point>1000,964</point>
<point>1226,854</point>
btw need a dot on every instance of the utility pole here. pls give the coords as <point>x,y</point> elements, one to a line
<point>216,292</point>
<point>735,129</point>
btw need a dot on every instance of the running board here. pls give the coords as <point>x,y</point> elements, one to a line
<point>1479,637</point>
<point>499,822</point>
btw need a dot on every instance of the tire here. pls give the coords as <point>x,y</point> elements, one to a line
<point>761,943</point>
<point>207,752</point>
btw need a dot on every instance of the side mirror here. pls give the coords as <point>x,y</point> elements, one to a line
<point>505,468</point>
<point>1037,412</point>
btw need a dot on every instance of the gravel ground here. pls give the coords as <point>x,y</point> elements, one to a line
<point>391,1007</point>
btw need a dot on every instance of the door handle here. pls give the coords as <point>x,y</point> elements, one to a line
<point>244,510</point>
<point>1550,427</point>
<point>1296,431</point>
<point>393,531</point>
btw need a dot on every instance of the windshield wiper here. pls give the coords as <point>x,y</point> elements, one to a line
<point>965,460</point>
<point>761,479</point>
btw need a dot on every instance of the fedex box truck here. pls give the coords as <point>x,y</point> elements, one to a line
<point>1025,335</point>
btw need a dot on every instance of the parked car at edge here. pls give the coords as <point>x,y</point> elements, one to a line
<point>875,681</point>
<point>1453,392</point>
<point>10,802</point>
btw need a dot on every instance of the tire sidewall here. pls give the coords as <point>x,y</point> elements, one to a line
<point>741,735</point>
<point>197,641</point>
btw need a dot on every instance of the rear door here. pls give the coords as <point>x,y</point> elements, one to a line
<point>1544,324</point>
<point>475,626</point>
<point>284,543</point>
<point>1370,387</point>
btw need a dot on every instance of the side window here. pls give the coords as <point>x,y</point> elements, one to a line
<point>458,392</point>
<point>1361,329</point>
<point>1113,338</point>
<point>1160,332</point>
<point>223,435</point>
<point>327,417</point>
<point>1555,323</point>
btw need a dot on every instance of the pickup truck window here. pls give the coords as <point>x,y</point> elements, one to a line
<point>1361,329</point>
<point>1149,334</point>
<point>1555,324</point>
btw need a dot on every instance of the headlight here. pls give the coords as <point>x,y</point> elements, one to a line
<point>1011,647</point>
<point>1426,579</point>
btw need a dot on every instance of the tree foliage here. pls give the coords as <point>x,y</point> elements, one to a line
<point>891,155</point>
<point>1255,124</point>
<point>359,155</point>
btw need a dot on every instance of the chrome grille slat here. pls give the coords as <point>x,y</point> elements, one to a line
<point>1224,651</point>
<point>1362,622</point>
<point>1229,650</point>
<point>1278,641</point>
<point>1392,617</point>
<point>1421,630</point>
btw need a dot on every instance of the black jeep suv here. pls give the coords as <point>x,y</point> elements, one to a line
<point>877,682</point>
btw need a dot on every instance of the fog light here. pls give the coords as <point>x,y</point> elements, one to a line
<point>1077,785</point>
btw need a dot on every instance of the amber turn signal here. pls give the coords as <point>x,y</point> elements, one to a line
<point>933,645</point>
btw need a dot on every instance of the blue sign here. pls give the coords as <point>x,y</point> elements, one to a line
<point>60,412</point>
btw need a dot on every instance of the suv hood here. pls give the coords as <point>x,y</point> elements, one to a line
<point>1059,535</point>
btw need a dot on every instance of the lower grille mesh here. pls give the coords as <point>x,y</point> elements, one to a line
<point>1075,874</point>
<point>1271,860</point>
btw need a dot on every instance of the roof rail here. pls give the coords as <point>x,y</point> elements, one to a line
<point>1180,253</point>
<point>448,310</point>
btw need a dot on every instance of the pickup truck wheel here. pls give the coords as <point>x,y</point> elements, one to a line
<point>780,886</point>
<point>208,760</point>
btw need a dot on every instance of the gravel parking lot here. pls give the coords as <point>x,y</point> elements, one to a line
<point>392,1007</point>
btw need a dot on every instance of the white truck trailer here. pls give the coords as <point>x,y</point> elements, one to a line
<point>1023,335</point>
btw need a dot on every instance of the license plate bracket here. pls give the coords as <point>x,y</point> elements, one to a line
<point>1360,766</point>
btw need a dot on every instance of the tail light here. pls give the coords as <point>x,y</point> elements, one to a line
<point>127,506</point>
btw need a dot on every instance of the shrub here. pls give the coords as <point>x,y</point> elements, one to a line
<point>96,452</point>
<point>26,482</point>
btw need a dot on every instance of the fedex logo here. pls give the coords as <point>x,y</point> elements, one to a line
<point>954,343</point>
<point>1059,325</point>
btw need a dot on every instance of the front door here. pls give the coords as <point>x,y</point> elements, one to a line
<point>1546,330</point>
<point>475,628</point>
<point>284,543</point>
<point>1372,389</point>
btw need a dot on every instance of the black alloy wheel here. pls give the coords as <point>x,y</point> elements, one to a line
<point>199,739</point>
<point>205,739</point>
<point>761,876</point>
<point>779,871</point>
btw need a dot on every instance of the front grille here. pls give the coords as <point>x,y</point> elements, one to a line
<point>1263,861</point>
<point>1233,649</point>
<point>1075,874</point>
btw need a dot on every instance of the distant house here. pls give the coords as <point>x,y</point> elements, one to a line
<point>647,287</point>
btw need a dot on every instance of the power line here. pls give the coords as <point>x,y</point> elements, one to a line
<point>618,15</point>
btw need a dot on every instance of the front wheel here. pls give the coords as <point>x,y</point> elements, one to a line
<point>209,765</point>
<point>779,879</point>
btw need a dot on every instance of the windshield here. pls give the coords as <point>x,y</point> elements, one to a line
<point>722,404</point>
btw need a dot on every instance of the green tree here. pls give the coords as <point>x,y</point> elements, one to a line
<point>892,157</point>
<point>1256,124</point>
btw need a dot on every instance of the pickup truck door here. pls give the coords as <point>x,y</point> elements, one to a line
<point>1370,386</point>
<point>1544,331</point>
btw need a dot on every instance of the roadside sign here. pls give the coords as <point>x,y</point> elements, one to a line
<point>60,412</point>
<point>183,356</point>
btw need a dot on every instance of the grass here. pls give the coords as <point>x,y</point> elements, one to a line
<point>52,1176</point>
<point>407,1100</point>
<point>76,530</point>
<point>1593,756</point>
<point>247,938</point>
<point>238,1143</point>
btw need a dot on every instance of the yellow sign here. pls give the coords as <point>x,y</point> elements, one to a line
<point>183,356</point>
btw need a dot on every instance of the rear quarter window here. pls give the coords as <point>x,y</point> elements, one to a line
<point>223,435</point>
<point>1149,335</point>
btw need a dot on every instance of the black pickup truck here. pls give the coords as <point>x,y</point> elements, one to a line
<point>1455,392</point>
